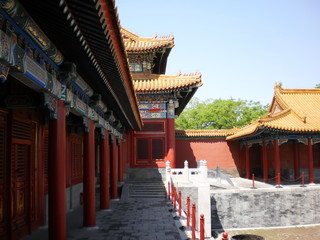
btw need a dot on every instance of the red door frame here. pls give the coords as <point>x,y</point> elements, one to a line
<point>150,162</point>
<point>150,135</point>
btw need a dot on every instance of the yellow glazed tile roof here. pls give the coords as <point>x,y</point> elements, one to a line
<point>135,43</point>
<point>205,133</point>
<point>247,130</point>
<point>296,110</point>
<point>162,82</point>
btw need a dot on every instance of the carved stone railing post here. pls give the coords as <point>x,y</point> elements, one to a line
<point>205,170</point>
<point>186,171</point>
<point>168,171</point>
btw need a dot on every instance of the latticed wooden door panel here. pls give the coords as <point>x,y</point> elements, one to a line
<point>158,149</point>
<point>149,150</point>
<point>45,157</point>
<point>76,154</point>
<point>3,176</point>
<point>150,144</point>
<point>20,154</point>
<point>142,150</point>
<point>22,174</point>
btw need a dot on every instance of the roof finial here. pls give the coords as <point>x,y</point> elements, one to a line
<point>278,85</point>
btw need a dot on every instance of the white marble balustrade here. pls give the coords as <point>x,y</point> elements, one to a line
<point>187,174</point>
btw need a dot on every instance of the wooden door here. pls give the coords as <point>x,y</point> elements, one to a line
<point>22,176</point>
<point>150,144</point>
<point>3,176</point>
<point>149,151</point>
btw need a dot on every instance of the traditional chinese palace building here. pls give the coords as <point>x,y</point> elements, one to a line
<point>72,113</point>
<point>286,141</point>
<point>160,97</point>
<point>81,99</point>
<point>281,146</point>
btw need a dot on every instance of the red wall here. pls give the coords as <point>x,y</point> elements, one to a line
<point>214,151</point>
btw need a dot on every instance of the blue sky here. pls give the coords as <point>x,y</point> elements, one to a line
<point>241,47</point>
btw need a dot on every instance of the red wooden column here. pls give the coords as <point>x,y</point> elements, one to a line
<point>120,160</point>
<point>277,157</point>
<point>296,160</point>
<point>240,160</point>
<point>248,170</point>
<point>104,171</point>
<point>113,167</point>
<point>125,157</point>
<point>89,208</point>
<point>310,161</point>
<point>171,142</point>
<point>265,162</point>
<point>57,174</point>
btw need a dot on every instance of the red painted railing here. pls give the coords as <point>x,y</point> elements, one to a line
<point>193,223</point>
<point>177,199</point>
<point>188,211</point>
<point>201,227</point>
<point>179,202</point>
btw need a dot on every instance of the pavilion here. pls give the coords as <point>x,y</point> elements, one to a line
<point>286,141</point>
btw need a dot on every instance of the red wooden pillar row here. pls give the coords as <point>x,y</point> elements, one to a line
<point>113,167</point>
<point>310,161</point>
<point>89,208</point>
<point>104,171</point>
<point>57,175</point>
<point>248,170</point>
<point>265,162</point>
<point>277,157</point>
<point>171,142</point>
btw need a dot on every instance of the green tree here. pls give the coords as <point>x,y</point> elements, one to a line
<point>219,114</point>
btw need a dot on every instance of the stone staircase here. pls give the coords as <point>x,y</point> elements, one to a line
<point>146,183</point>
<point>147,190</point>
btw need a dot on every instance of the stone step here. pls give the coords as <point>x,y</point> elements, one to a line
<point>146,174</point>
<point>147,190</point>
<point>147,196</point>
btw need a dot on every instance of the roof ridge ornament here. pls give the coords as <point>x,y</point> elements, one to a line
<point>278,86</point>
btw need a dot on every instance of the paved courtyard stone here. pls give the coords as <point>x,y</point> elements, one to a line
<point>127,219</point>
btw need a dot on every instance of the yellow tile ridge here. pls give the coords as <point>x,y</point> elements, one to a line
<point>278,89</point>
<point>206,132</point>
<point>160,82</point>
<point>244,131</point>
<point>136,43</point>
<point>277,97</point>
<point>274,116</point>
<point>132,36</point>
<point>129,34</point>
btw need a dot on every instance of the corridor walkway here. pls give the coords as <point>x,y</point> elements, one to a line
<point>142,213</point>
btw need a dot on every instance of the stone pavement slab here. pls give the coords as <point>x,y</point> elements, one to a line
<point>127,219</point>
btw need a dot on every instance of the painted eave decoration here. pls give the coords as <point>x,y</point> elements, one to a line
<point>294,110</point>
<point>95,45</point>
